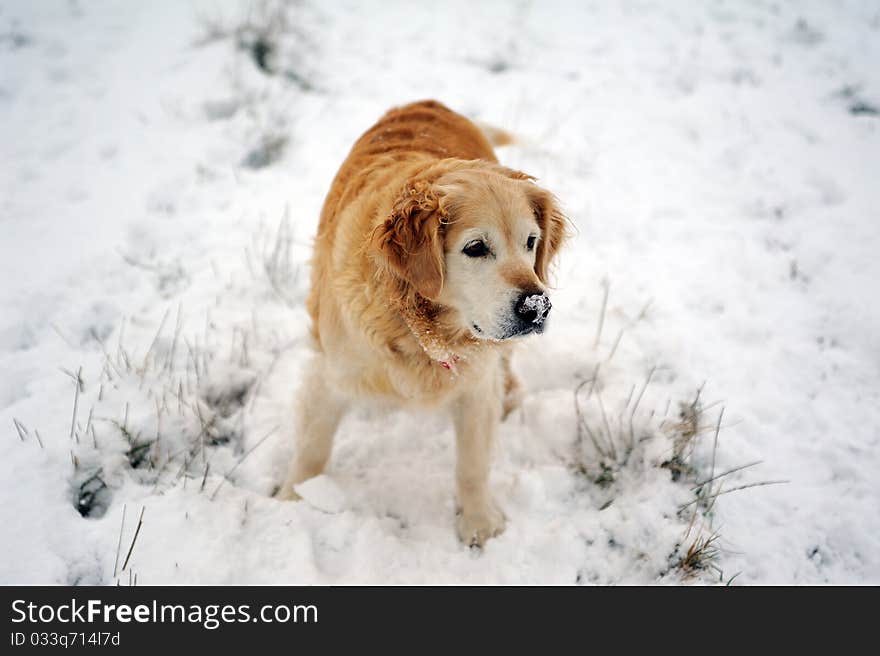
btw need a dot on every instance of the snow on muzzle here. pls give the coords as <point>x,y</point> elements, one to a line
<point>531,312</point>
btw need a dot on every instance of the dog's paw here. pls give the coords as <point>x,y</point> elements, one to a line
<point>474,528</point>
<point>286,493</point>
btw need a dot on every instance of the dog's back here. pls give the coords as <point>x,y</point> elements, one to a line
<point>427,127</point>
<point>418,131</point>
<point>424,129</point>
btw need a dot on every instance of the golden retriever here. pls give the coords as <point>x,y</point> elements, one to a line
<point>430,258</point>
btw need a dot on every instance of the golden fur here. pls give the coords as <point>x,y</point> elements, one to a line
<point>385,318</point>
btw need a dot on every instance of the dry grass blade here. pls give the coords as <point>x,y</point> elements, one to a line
<point>615,345</point>
<point>642,391</point>
<point>120,351</point>
<point>599,449</point>
<point>632,414</point>
<point>606,285</point>
<point>78,384</point>
<point>241,460</point>
<point>278,264</point>
<point>89,420</point>
<point>119,543</point>
<point>68,372</point>
<point>697,486</point>
<point>715,445</point>
<point>155,339</point>
<point>582,424</point>
<point>169,362</point>
<point>205,476</point>
<point>19,427</point>
<point>608,432</point>
<point>629,398</point>
<point>64,339</point>
<point>137,531</point>
<point>733,489</point>
<point>594,381</point>
<point>108,361</point>
<point>700,555</point>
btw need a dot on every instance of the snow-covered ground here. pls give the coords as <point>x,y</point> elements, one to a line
<point>158,193</point>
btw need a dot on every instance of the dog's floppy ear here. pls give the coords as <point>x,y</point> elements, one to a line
<point>552,222</point>
<point>410,240</point>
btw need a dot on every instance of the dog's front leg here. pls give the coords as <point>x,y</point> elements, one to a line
<point>320,410</point>
<point>476,416</point>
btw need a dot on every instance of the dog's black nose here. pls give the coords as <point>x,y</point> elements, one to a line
<point>532,309</point>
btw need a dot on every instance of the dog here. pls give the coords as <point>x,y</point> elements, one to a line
<point>430,260</point>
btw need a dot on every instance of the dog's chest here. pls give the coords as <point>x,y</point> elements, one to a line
<point>408,379</point>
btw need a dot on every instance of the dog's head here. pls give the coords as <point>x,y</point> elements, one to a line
<point>478,241</point>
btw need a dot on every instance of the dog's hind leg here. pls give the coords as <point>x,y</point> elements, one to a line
<point>320,410</point>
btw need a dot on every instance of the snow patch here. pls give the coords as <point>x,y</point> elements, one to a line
<point>322,493</point>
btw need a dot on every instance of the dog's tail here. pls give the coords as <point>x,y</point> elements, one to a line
<point>496,136</point>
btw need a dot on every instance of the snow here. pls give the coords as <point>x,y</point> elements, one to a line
<point>323,493</point>
<point>718,162</point>
<point>540,304</point>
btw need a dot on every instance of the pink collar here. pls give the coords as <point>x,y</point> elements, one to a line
<point>449,365</point>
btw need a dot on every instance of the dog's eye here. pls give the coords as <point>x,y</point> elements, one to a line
<point>476,248</point>
<point>530,242</point>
